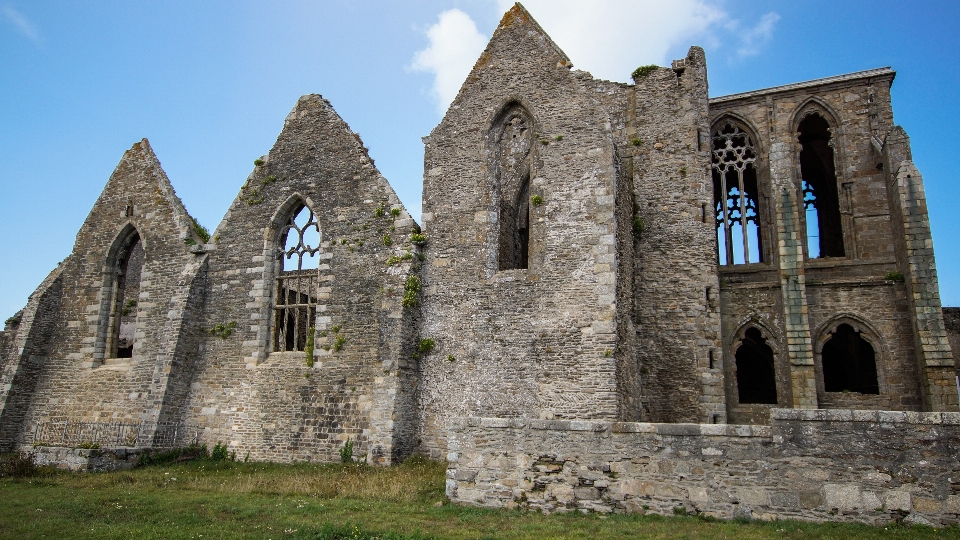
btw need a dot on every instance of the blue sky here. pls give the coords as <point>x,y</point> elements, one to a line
<point>209,83</point>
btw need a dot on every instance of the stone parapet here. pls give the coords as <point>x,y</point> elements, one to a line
<point>816,465</point>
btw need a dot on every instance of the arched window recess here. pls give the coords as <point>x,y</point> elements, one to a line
<point>297,280</point>
<point>849,362</point>
<point>511,139</point>
<point>123,291</point>
<point>756,371</point>
<point>736,195</point>
<point>821,200</point>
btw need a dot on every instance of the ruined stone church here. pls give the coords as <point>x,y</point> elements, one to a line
<point>594,259</point>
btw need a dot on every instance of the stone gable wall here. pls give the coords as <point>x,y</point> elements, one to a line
<point>524,342</point>
<point>272,404</point>
<point>70,377</point>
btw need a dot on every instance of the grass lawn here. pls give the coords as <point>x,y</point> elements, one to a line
<point>221,499</point>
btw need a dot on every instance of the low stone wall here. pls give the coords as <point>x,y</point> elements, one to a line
<point>820,465</point>
<point>86,459</point>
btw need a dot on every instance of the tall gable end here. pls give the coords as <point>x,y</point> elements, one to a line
<point>518,49</point>
<point>518,23</point>
<point>139,190</point>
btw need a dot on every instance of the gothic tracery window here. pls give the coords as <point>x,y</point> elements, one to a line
<point>736,196</point>
<point>297,281</point>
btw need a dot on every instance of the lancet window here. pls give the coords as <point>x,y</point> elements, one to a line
<point>511,139</point>
<point>736,196</point>
<point>821,201</point>
<point>125,293</point>
<point>297,281</point>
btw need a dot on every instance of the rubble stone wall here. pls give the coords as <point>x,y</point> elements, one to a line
<point>821,465</point>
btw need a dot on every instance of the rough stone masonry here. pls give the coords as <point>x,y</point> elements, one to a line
<point>619,295</point>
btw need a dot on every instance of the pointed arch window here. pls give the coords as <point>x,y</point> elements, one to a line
<point>124,295</point>
<point>849,363</point>
<point>756,375</point>
<point>821,200</point>
<point>297,281</point>
<point>511,140</point>
<point>736,196</point>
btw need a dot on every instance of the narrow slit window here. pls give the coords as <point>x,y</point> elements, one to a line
<point>849,363</point>
<point>756,376</point>
<point>821,200</point>
<point>736,196</point>
<point>295,304</point>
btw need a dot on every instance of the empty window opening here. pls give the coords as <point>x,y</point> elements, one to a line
<point>521,226</point>
<point>756,377</point>
<point>821,201</point>
<point>736,196</point>
<point>295,305</point>
<point>512,139</point>
<point>849,363</point>
<point>126,293</point>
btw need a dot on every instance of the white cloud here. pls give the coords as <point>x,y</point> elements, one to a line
<point>752,39</point>
<point>455,45</point>
<point>610,38</point>
<point>20,21</point>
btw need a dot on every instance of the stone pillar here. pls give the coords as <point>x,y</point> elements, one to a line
<point>908,212</point>
<point>803,387</point>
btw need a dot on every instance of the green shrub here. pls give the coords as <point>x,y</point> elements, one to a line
<point>387,240</point>
<point>219,453</point>
<point>338,342</point>
<point>638,227</point>
<point>222,331</point>
<point>411,287</point>
<point>395,212</point>
<point>536,200</point>
<point>425,346</point>
<point>308,348</point>
<point>643,71</point>
<point>346,452</point>
<point>895,275</point>
<point>200,230</point>
<point>19,465</point>
<point>637,141</point>
<point>418,239</point>
<point>258,162</point>
<point>396,259</point>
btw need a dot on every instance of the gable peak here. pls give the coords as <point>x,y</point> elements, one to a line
<point>518,16</point>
